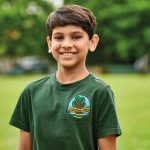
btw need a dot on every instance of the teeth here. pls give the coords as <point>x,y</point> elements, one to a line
<point>67,54</point>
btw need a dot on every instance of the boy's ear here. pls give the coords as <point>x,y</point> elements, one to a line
<point>49,44</point>
<point>93,42</point>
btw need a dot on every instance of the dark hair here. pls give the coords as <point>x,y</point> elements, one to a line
<point>72,15</point>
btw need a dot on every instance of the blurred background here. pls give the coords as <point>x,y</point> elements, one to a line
<point>122,59</point>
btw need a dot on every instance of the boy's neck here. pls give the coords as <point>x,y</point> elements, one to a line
<point>66,76</point>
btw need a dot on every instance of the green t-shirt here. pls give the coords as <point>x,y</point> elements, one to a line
<point>66,116</point>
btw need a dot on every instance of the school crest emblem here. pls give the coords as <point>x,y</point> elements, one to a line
<point>79,106</point>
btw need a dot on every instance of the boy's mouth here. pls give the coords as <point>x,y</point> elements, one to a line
<point>67,53</point>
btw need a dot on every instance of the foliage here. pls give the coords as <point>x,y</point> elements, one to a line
<point>23,29</point>
<point>123,27</point>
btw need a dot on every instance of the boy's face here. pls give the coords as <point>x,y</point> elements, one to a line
<point>69,46</point>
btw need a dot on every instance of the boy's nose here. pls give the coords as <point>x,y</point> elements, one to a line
<point>67,43</point>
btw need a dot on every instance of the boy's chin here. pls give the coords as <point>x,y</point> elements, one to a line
<point>68,66</point>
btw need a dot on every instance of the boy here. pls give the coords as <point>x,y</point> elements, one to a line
<point>70,109</point>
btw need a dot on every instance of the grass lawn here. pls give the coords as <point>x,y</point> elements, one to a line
<point>132,94</point>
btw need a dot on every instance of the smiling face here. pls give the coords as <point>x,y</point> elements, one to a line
<point>69,46</point>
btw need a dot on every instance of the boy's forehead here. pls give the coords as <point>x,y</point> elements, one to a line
<point>67,29</point>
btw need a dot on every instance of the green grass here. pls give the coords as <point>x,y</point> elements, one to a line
<point>132,94</point>
<point>133,107</point>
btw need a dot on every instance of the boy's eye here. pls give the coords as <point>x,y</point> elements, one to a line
<point>58,38</point>
<point>75,37</point>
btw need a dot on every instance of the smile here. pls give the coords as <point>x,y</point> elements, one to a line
<point>68,53</point>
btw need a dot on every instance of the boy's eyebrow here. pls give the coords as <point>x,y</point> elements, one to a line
<point>74,32</point>
<point>57,33</point>
<point>77,32</point>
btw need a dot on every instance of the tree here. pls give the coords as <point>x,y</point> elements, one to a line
<point>23,29</point>
<point>123,27</point>
<point>79,102</point>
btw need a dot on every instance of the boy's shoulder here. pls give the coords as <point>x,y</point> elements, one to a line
<point>97,81</point>
<point>100,85</point>
<point>38,83</point>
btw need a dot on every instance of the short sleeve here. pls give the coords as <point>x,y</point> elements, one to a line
<point>107,117</point>
<point>20,116</point>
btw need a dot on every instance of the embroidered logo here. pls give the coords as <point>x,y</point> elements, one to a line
<point>79,106</point>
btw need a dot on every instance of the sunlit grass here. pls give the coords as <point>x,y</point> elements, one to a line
<point>132,94</point>
<point>133,107</point>
<point>10,89</point>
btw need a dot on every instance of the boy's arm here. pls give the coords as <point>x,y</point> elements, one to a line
<point>24,141</point>
<point>107,143</point>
